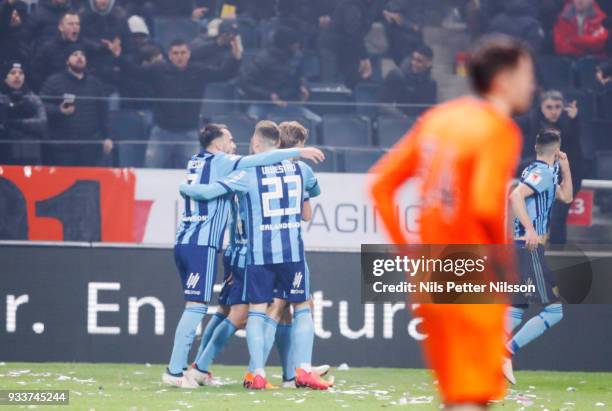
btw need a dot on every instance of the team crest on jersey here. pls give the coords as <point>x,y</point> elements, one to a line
<point>534,178</point>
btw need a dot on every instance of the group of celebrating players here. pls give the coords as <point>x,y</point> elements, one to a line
<point>464,152</point>
<point>265,198</point>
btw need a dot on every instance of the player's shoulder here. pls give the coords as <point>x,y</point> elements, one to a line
<point>221,156</point>
<point>304,166</point>
<point>538,172</point>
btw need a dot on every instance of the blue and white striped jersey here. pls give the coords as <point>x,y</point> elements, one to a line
<point>543,180</point>
<point>238,242</point>
<point>203,222</point>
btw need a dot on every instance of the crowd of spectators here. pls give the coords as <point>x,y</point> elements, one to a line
<point>66,61</point>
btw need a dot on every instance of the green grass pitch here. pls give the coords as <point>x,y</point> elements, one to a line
<point>134,387</point>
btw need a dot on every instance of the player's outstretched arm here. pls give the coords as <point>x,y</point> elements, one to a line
<point>275,156</point>
<point>202,192</point>
<point>565,192</point>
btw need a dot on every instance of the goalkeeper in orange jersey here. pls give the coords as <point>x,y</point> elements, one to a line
<point>465,153</point>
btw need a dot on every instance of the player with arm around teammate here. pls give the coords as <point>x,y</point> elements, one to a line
<point>200,235</point>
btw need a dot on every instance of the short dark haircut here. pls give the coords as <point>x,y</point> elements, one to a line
<point>292,133</point>
<point>425,50</point>
<point>210,132</point>
<point>269,131</point>
<point>492,55</point>
<point>148,51</point>
<point>177,43</point>
<point>68,13</point>
<point>547,137</point>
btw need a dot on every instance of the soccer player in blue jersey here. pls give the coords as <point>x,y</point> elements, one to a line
<point>200,234</point>
<point>275,257</point>
<point>532,202</point>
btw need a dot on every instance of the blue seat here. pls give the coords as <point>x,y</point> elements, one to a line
<point>585,73</point>
<point>312,128</point>
<point>128,128</point>
<point>240,125</point>
<point>392,129</point>
<point>327,94</point>
<point>603,160</point>
<point>360,161</point>
<point>601,135</point>
<point>366,93</point>
<point>554,72</point>
<point>330,165</point>
<point>311,66</point>
<point>219,91</point>
<point>171,28</point>
<point>346,131</point>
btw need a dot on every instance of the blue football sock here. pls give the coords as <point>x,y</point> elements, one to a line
<point>283,344</point>
<point>214,321</point>
<point>302,338</point>
<point>256,339</point>
<point>184,335</point>
<point>269,332</point>
<point>536,326</point>
<point>218,341</point>
<point>514,318</point>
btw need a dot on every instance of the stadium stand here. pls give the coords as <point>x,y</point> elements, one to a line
<point>170,28</point>
<point>346,131</point>
<point>219,91</point>
<point>391,129</point>
<point>129,125</point>
<point>360,160</point>
<point>240,125</point>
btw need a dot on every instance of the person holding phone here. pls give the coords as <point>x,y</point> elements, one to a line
<point>77,111</point>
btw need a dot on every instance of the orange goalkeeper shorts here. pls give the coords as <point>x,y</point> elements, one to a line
<point>465,349</point>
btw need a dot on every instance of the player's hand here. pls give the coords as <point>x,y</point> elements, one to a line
<point>531,240</point>
<point>305,94</point>
<point>114,46</point>
<point>572,110</point>
<point>313,154</point>
<point>365,68</point>
<point>563,161</point>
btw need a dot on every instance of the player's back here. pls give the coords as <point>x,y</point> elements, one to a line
<point>466,153</point>
<point>274,212</point>
<point>203,222</point>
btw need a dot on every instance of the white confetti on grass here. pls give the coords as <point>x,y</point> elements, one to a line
<point>600,404</point>
<point>571,389</point>
<point>343,367</point>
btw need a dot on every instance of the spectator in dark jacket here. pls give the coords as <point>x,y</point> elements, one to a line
<point>308,17</point>
<point>411,83</point>
<point>579,30</point>
<point>216,50</point>
<point>174,121</point>
<point>76,111</point>
<point>341,45</point>
<point>519,19</point>
<point>274,75</point>
<point>403,21</point>
<point>49,58</point>
<point>131,89</point>
<point>553,112</point>
<point>13,37</point>
<point>101,23</point>
<point>22,117</point>
<point>42,25</point>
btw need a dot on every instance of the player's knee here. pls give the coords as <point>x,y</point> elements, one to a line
<point>552,314</point>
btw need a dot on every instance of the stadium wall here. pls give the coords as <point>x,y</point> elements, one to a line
<point>100,303</point>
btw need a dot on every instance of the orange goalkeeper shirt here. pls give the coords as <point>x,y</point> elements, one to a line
<point>465,153</point>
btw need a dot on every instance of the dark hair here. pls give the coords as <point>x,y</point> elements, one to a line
<point>491,56</point>
<point>292,133</point>
<point>425,50</point>
<point>177,43</point>
<point>68,13</point>
<point>268,130</point>
<point>148,51</point>
<point>210,132</point>
<point>546,137</point>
